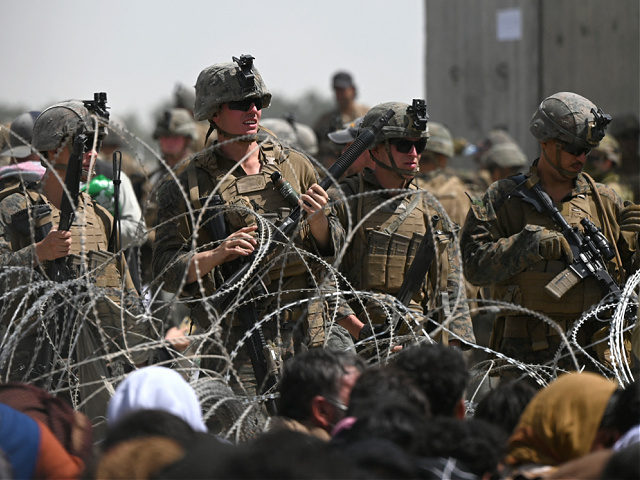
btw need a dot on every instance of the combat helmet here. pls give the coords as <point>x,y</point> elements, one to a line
<point>57,124</point>
<point>571,119</point>
<point>610,149</point>
<point>228,82</point>
<point>504,155</point>
<point>409,121</point>
<point>175,122</point>
<point>440,140</point>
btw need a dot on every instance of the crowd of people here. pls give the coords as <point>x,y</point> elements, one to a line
<point>272,300</point>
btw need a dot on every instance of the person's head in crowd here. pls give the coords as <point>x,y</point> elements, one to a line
<point>393,419</point>
<point>439,148</point>
<point>623,464</point>
<point>32,450</point>
<point>158,388</point>
<point>504,160</point>
<point>621,415</point>
<point>138,458</point>
<point>20,136</point>
<point>71,428</point>
<point>175,130</point>
<point>503,405</point>
<point>380,458</point>
<point>390,383</point>
<point>202,458</point>
<point>560,422</point>
<point>345,91</point>
<point>282,454</point>
<point>477,444</point>
<point>440,373</point>
<point>316,385</point>
<point>146,423</point>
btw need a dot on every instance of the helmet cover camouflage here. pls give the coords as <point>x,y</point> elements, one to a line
<point>569,118</point>
<point>406,123</point>
<point>504,155</point>
<point>610,147</point>
<point>228,82</point>
<point>175,122</point>
<point>440,140</point>
<point>58,124</point>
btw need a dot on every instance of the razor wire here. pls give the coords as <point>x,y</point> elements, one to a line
<point>30,302</point>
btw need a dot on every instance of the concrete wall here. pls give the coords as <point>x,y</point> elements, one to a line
<point>475,81</point>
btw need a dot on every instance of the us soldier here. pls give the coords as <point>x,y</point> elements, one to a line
<point>503,160</point>
<point>603,163</point>
<point>236,173</point>
<point>384,246</point>
<point>88,320</point>
<point>346,111</point>
<point>441,181</point>
<point>516,250</point>
<point>626,130</point>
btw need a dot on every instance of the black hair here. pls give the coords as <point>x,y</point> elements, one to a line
<point>146,423</point>
<point>503,406</point>
<point>315,372</point>
<point>477,444</point>
<point>438,371</point>
<point>390,383</point>
<point>623,464</point>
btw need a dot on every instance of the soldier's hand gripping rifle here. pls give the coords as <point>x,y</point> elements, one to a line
<point>362,142</point>
<point>591,249</point>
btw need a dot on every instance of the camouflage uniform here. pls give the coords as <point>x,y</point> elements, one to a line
<point>447,187</point>
<point>95,305</point>
<point>368,268</point>
<point>500,245</point>
<point>210,173</point>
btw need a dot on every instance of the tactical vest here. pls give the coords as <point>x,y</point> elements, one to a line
<point>527,287</point>
<point>247,194</point>
<point>384,247</point>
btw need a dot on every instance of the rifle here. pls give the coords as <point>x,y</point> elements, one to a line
<point>362,142</point>
<point>263,359</point>
<point>590,248</point>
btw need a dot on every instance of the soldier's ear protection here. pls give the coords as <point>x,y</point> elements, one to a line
<point>418,113</point>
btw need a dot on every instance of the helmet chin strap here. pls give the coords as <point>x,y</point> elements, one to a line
<point>400,172</point>
<point>243,138</point>
<point>565,173</point>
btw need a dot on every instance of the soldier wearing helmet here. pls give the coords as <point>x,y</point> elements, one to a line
<point>233,176</point>
<point>516,250</point>
<point>603,163</point>
<point>30,243</point>
<point>439,180</point>
<point>393,216</point>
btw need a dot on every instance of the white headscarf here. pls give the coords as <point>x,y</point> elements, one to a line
<point>157,388</point>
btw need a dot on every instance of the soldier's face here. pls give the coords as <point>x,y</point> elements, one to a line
<point>568,162</point>
<point>404,160</point>
<point>238,122</point>
<point>172,145</point>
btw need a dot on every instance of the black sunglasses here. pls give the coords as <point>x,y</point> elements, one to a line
<point>244,105</point>
<point>404,146</point>
<point>575,150</point>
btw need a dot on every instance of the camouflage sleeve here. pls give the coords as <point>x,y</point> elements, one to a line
<point>489,254</point>
<point>171,246</point>
<point>8,257</point>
